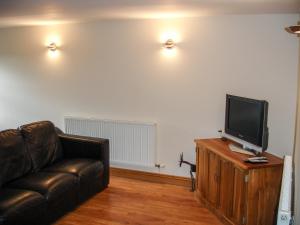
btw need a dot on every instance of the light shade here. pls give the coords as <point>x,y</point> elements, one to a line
<point>169,44</point>
<point>293,29</point>
<point>52,46</point>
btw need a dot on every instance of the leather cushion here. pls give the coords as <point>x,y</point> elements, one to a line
<point>42,143</point>
<point>14,160</point>
<point>79,167</point>
<point>20,206</point>
<point>51,185</point>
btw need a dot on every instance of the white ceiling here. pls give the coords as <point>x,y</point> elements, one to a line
<point>42,12</point>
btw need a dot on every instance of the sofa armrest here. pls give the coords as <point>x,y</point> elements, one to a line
<point>75,146</point>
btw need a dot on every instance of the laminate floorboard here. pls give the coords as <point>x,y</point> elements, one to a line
<point>134,202</point>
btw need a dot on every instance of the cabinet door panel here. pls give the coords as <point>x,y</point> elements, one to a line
<point>213,178</point>
<point>239,200</point>
<point>197,168</point>
<point>203,171</point>
<point>263,194</point>
<point>226,188</point>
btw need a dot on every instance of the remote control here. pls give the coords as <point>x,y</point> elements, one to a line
<point>258,158</point>
<point>258,161</point>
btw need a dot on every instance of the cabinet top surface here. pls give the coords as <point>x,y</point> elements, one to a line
<point>221,148</point>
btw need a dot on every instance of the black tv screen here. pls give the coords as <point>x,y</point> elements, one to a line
<point>247,119</point>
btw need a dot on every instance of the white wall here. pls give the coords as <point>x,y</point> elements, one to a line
<point>116,70</point>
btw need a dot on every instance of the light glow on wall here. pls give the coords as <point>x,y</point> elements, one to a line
<point>169,35</point>
<point>53,54</point>
<point>169,52</point>
<point>163,15</point>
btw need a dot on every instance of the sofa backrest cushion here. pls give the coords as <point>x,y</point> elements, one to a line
<point>14,159</point>
<point>42,143</point>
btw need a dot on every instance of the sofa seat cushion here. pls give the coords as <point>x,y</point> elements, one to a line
<point>14,159</point>
<point>51,185</point>
<point>21,207</point>
<point>78,167</point>
<point>42,143</point>
<point>88,171</point>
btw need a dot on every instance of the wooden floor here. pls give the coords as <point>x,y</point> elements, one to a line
<point>134,202</point>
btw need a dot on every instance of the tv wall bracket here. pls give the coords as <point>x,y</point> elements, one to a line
<point>192,170</point>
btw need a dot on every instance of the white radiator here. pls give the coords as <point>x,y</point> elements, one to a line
<point>131,143</point>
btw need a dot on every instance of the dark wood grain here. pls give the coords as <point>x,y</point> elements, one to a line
<point>202,171</point>
<point>239,199</point>
<point>213,182</point>
<point>264,191</point>
<point>226,187</point>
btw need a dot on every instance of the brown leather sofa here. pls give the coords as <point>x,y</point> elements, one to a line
<point>44,175</point>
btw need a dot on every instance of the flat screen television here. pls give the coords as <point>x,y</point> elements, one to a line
<point>246,119</point>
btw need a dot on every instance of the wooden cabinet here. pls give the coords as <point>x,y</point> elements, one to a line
<point>213,176</point>
<point>237,192</point>
<point>226,188</point>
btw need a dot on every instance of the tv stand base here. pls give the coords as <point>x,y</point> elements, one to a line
<point>238,149</point>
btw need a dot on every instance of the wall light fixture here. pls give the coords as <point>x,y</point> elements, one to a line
<point>293,29</point>
<point>52,46</point>
<point>169,44</point>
